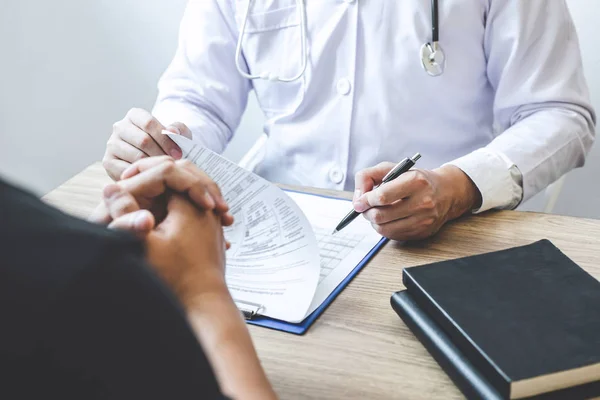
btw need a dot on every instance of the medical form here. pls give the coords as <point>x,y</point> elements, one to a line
<point>283,258</point>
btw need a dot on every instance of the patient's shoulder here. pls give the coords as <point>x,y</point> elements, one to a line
<point>42,250</point>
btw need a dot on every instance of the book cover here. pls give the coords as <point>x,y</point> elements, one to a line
<point>457,366</point>
<point>527,318</point>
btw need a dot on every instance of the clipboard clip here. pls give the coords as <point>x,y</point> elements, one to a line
<point>248,309</point>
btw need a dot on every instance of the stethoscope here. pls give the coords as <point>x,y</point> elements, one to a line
<point>433,58</point>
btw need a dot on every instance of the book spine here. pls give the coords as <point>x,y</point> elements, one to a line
<point>464,375</point>
<point>462,342</point>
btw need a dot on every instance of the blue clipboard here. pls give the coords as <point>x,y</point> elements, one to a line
<point>301,328</point>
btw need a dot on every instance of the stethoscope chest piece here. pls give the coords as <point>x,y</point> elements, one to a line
<point>433,58</point>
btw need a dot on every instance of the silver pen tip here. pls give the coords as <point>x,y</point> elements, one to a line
<point>334,232</point>
<point>416,157</point>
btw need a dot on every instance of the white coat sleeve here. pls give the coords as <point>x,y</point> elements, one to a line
<point>202,87</point>
<point>542,106</point>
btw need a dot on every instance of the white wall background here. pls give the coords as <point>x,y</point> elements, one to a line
<point>69,69</point>
<point>581,194</point>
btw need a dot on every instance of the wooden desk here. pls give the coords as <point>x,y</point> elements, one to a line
<point>359,348</point>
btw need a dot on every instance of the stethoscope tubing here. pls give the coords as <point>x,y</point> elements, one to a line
<point>435,23</point>
<point>429,61</point>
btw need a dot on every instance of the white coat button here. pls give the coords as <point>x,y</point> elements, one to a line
<point>343,86</point>
<point>336,175</point>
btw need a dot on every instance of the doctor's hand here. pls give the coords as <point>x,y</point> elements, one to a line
<point>138,201</point>
<point>137,136</point>
<point>416,204</point>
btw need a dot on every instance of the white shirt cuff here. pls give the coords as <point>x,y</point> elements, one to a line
<point>498,179</point>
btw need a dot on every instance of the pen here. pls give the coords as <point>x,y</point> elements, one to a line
<point>400,168</point>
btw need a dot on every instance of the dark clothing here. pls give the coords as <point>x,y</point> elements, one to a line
<point>83,317</point>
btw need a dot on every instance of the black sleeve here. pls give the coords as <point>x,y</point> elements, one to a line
<point>119,333</point>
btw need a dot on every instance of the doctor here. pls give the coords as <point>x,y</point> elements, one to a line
<point>491,92</point>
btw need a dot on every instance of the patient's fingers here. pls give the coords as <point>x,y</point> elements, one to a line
<point>139,223</point>
<point>211,186</point>
<point>115,204</point>
<point>174,169</point>
<point>120,210</point>
<point>168,175</point>
<point>227,219</point>
<point>100,215</point>
<point>119,202</point>
<point>143,165</point>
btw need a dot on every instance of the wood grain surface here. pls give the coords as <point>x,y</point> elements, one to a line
<point>359,348</point>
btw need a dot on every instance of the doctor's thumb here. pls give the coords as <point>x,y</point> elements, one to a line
<point>366,179</point>
<point>179,128</point>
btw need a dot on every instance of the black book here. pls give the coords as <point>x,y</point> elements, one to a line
<point>511,324</point>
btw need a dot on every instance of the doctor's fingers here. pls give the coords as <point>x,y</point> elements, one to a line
<point>147,123</point>
<point>180,128</point>
<point>121,150</point>
<point>416,227</point>
<point>203,179</point>
<point>113,166</point>
<point>406,185</point>
<point>366,179</point>
<point>127,132</point>
<point>415,205</point>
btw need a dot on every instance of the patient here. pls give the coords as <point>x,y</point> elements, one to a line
<point>93,313</point>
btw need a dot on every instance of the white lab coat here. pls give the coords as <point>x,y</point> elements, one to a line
<point>365,98</point>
